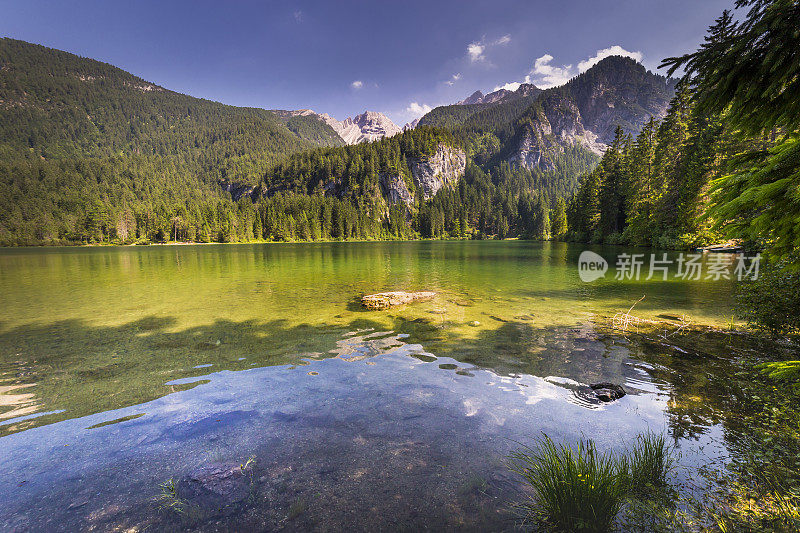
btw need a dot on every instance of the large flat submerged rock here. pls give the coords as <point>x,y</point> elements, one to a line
<point>385,300</point>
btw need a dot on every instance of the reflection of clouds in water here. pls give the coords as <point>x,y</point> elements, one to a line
<point>355,347</point>
<point>471,407</point>
<point>401,398</point>
<point>366,343</point>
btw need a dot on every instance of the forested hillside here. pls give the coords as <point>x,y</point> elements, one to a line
<point>501,201</point>
<point>89,152</point>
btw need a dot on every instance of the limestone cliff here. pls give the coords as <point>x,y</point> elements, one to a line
<point>445,167</point>
<point>429,174</point>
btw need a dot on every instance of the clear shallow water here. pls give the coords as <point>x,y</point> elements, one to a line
<point>121,368</point>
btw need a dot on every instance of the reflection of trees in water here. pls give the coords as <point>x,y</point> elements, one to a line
<point>85,369</point>
<point>713,381</point>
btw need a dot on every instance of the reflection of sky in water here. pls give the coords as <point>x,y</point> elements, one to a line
<point>376,387</point>
<point>123,367</point>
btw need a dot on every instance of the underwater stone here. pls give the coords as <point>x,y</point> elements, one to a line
<point>385,300</point>
<point>216,487</point>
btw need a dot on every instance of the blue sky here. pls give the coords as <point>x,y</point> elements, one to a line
<point>345,56</point>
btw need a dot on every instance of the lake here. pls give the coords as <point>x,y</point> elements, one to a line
<point>250,377</point>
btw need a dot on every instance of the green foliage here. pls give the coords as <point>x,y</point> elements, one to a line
<point>449,116</point>
<point>649,463</point>
<point>559,219</point>
<point>580,489</point>
<point>771,302</point>
<point>749,68</point>
<point>653,190</point>
<point>573,489</point>
<point>168,499</point>
<point>748,71</point>
<point>354,171</point>
<point>784,370</point>
<point>759,199</point>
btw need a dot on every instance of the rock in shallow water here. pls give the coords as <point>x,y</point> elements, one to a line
<point>607,392</point>
<point>385,300</point>
<point>215,488</point>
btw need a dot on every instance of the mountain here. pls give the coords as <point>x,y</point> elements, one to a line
<point>586,111</point>
<point>533,126</point>
<point>90,153</point>
<point>483,112</point>
<point>525,90</point>
<point>55,104</point>
<point>397,169</point>
<point>86,147</point>
<point>474,98</point>
<point>411,125</point>
<point>366,127</point>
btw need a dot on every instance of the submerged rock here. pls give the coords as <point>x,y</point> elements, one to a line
<point>385,300</point>
<point>215,488</point>
<point>607,392</point>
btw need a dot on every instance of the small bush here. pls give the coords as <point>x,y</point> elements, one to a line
<point>573,489</point>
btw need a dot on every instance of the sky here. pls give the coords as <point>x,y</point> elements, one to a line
<point>342,57</point>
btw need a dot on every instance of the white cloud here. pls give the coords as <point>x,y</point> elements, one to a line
<point>454,78</point>
<point>357,84</point>
<point>475,52</point>
<point>546,75</point>
<point>415,110</point>
<point>615,50</point>
<point>299,15</point>
<point>510,86</point>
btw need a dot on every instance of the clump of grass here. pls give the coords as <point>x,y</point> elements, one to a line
<point>168,499</point>
<point>648,464</point>
<point>574,489</point>
<point>297,508</point>
<point>581,489</point>
<point>473,485</point>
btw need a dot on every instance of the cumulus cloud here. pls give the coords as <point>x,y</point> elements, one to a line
<point>416,110</point>
<point>615,50</point>
<point>357,84</point>
<point>546,75</point>
<point>476,50</point>
<point>454,78</point>
<point>510,86</point>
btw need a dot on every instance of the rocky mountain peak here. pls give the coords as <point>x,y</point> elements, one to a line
<point>474,98</point>
<point>366,127</point>
<point>411,125</point>
<point>586,111</point>
<point>501,95</point>
<point>527,89</point>
<point>496,96</point>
